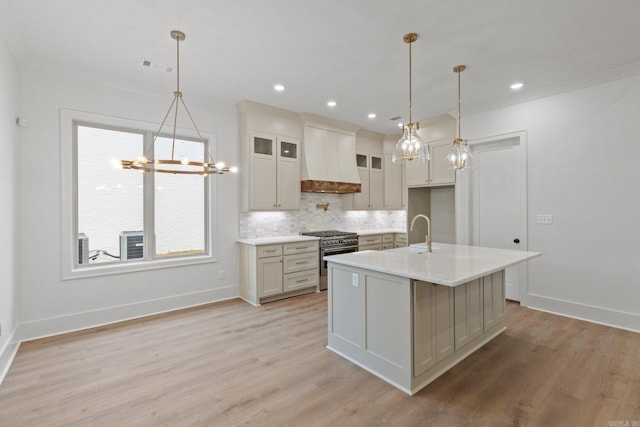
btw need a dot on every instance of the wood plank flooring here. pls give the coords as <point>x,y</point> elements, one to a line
<point>229,364</point>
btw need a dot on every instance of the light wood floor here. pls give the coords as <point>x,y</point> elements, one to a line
<point>231,364</point>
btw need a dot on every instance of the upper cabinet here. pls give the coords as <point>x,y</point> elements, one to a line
<point>395,192</point>
<point>270,150</point>
<point>274,172</point>
<point>435,171</point>
<point>371,171</point>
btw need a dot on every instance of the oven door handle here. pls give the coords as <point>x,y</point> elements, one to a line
<point>341,249</point>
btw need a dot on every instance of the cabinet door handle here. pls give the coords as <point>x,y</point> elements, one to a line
<point>516,240</point>
<point>302,262</point>
<point>302,280</point>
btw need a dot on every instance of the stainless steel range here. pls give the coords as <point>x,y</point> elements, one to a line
<point>333,242</point>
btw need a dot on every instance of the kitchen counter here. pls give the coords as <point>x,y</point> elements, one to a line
<point>382,231</point>
<point>408,316</point>
<point>276,239</point>
<point>447,264</point>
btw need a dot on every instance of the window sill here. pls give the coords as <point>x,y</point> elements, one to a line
<point>109,269</point>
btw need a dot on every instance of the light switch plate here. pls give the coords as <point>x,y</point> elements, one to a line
<point>355,280</point>
<point>544,219</point>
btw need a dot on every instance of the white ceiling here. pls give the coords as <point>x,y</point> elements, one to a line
<point>348,50</point>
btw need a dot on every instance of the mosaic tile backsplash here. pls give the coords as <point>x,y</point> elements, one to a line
<point>310,218</point>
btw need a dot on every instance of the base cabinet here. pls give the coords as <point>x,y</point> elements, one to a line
<point>468,308</point>
<point>425,330</point>
<point>275,271</point>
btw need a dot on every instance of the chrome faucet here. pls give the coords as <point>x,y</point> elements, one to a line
<point>427,238</point>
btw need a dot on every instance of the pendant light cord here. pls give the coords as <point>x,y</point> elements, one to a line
<point>410,103</point>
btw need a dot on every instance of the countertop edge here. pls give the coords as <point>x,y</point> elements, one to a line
<point>275,240</point>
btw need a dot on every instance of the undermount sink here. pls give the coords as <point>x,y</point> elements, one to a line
<point>422,247</point>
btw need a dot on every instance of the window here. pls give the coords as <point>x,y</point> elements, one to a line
<point>123,220</point>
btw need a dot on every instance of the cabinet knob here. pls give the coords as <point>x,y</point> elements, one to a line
<point>516,240</point>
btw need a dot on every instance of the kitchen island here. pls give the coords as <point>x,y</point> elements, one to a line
<point>408,315</point>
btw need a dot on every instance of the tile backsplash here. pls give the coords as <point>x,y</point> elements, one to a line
<point>311,218</point>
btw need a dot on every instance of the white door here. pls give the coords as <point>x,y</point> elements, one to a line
<point>498,202</point>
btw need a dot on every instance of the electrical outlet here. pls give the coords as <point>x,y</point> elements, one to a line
<point>221,274</point>
<point>544,219</point>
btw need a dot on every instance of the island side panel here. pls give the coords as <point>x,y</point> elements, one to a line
<point>476,299</point>
<point>369,322</point>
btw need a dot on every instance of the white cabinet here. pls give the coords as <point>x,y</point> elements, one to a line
<point>274,172</point>
<point>269,276</point>
<point>493,299</point>
<point>395,192</point>
<point>400,240</point>
<point>433,336</point>
<point>387,241</point>
<point>370,242</point>
<point>435,171</point>
<point>275,271</point>
<point>468,309</point>
<point>440,173</point>
<point>371,172</point>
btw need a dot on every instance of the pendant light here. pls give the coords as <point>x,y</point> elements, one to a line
<point>410,146</point>
<point>460,156</point>
<point>173,166</point>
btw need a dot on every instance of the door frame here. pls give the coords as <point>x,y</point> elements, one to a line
<point>464,213</point>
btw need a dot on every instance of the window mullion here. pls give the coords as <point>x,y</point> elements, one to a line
<point>149,202</point>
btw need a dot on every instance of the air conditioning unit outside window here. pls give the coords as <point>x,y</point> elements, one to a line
<point>131,245</point>
<point>83,249</point>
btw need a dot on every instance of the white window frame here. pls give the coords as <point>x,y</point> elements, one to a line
<point>69,201</point>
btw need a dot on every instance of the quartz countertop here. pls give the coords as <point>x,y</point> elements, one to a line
<point>276,239</point>
<point>449,265</point>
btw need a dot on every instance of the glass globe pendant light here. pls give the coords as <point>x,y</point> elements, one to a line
<point>410,146</point>
<point>460,156</point>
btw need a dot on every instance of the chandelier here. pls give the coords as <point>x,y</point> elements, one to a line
<point>182,166</point>
<point>460,156</point>
<point>410,146</point>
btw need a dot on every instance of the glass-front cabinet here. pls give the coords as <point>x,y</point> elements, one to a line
<point>274,172</point>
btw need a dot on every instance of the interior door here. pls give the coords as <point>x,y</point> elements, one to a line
<point>497,203</point>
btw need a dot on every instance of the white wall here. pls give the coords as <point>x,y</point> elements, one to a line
<point>8,184</point>
<point>49,305</point>
<point>583,168</point>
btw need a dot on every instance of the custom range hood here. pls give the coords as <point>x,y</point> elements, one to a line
<point>329,161</point>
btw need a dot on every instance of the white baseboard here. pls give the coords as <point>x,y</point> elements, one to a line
<point>7,354</point>
<point>77,321</point>
<point>589,313</point>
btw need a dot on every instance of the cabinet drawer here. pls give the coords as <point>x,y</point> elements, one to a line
<point>401,238</point>
<point>387,238</point>
<point>386,246</point>
<point>300,280</point>
<point>376,247</point>
<point>308,261</point>
<point>265,251</point>
<point>370,240</point>
<point>300,247</point>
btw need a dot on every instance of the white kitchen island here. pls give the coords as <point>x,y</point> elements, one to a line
<point>408,316</point>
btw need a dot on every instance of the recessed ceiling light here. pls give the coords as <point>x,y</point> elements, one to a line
<point>332,104</point>
<point>278,87</point>
<point>372,115</point>
<point>517,86</point>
